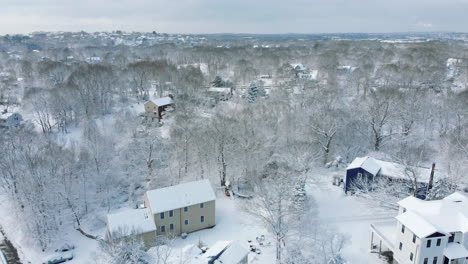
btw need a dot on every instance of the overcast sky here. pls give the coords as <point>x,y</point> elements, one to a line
<point>234,16</point>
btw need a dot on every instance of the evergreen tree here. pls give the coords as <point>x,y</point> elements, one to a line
<point>440,190</point>
<point>252,92</point>
<point>218,82</point>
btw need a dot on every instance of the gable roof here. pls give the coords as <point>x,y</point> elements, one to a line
<point>366,163</point>
<point>447,215</point>
<point>163,101</point>
<point>179,196</point>
<point>137,221</point>
<point>418,225</point>
<point>233,254</point>
<point>389,169</point>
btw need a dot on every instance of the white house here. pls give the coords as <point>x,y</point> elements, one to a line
<point>426,232</point>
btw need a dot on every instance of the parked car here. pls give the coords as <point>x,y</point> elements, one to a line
<point>65,247</point>
<point>59,257</point>
<point>63,254</point>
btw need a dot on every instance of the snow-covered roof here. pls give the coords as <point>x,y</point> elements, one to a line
<point>395,170</point>
<point>233,254</point>
<point>135,221</point>
<point>181,195</point>
<point>389,169</point>
<point>418,225</point>
<point>366,163</point>
<point>163,101</point>
<point>6,115</point>
<point>455,251</point>
<point>447,215</point>
<point>219,89</point>
<point>298,66</point>
<point>216,249</point>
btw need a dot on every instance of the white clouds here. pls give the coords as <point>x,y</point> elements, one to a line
<point>209,16</point>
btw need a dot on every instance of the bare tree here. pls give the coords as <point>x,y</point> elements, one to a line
<point>272,204</point>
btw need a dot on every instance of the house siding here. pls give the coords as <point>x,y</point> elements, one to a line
<point>434,250</point>
<point>148,238</point>
<point>193,214</point>
<point>352,174</point>
<point>406,238</point>
<point>151,110</point>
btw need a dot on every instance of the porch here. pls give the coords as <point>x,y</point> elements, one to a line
<point>383,238</point>
<point>455,253</point>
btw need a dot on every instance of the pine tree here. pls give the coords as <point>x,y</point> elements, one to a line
<point>218,82</point>
<point>252,92</point>
<point>441,189</point>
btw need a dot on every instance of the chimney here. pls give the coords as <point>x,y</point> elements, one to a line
<point>431,179</point>
<point>171,96</point>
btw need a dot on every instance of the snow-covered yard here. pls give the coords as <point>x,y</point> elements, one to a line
<point>352,216</point>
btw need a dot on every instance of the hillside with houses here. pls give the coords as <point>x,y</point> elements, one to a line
<point>121,147</point>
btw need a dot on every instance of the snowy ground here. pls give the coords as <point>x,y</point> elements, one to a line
<point>350,214</point>
<point>232,224</point>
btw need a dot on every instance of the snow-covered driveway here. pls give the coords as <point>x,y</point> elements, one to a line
<point>352,216</point>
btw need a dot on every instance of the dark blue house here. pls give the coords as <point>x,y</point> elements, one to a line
<point>361,169</point>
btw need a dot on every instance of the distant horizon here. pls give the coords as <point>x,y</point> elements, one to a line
<point>237,33</point>
<point>200,17</point>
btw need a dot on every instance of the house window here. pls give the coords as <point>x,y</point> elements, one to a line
<point>202,219</point>
<point>163,229</point>
<point>451,238</point>
<point>434,261</point>
<point>428,243</point>
<point>411,256</point>
<point>359,174</point>
<point>185,209</point>
<point>171,213</point>
<point>414,238</point>
<point>162,215</point>
<point>401,246</point>
<point>438,242</point>
<point>171,226</point>
<point>402,228</point>
<point>186,222</point>
<point>426,260</point>
<point>202,205</point>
